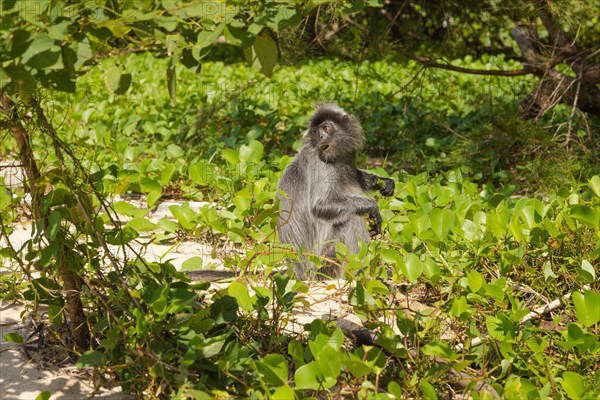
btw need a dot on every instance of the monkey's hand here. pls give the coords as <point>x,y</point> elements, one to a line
<point>388,187</point>
<point>376,217</point>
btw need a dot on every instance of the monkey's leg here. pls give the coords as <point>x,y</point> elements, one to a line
<point>354,230</point>
<point>330,268</point>
<point>370,182</point>
<point>299,232</point>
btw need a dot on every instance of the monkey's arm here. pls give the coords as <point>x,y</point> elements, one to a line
<point>337,210</point>
<point>370,182</point>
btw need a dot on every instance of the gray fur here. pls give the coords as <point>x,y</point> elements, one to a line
<point>322,193</point>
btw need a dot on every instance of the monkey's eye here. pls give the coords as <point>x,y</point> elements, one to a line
<point>328,129</point>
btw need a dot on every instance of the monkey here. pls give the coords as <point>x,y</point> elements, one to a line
<point>322,193</point>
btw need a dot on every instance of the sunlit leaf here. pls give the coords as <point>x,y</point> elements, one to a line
<point>263,54</point>
<point>90,358</point>
<point>587,307</point>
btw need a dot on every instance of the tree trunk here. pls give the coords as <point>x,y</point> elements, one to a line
<point>80,334</point>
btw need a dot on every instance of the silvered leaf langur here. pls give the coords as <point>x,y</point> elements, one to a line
<point>322,193</point>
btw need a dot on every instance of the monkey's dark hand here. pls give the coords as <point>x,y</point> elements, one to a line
<point>376,217</point>
<point>388,187</point>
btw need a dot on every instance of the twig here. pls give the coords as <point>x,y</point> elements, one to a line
<point>493,72</point>
<point>536,313</point>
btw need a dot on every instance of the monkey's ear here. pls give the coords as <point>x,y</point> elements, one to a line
<point>345,118</point>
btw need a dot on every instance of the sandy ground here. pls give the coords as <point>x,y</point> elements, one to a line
<point>23,380</point>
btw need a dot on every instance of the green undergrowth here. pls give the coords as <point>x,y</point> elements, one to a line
<point>418,120</point>
<point>473,239</point>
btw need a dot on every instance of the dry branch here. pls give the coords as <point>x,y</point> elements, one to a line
<point>463,380</point>
<point>431,63</point>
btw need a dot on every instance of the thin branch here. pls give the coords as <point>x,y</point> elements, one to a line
<point>431,63</point>
<point>536,313</point>
<point>118,52</point>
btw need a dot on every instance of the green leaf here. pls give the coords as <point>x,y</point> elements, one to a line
<point>90,358</point>
<point>172,79</point>
<point>428,390</point>
<point>412,268</point>
<point>42,54</point>
<point>439,349</point>
<point>120,237</point>
<point>309,376</point>
<point>263,54</point>
<point>240,293</point>
<point>211,347</point>
<point>175,151</point>
<point>459,308</point>
<point>184,215</point>
<point>167,174</point>
<point>329,361</point>
<point>54,224</point>
<point>231,156</point>
<point>587,307</point>
<point>123,207</point>
<point>238,36</point>
<point>471,230</point>
<point>274,369</point>
<point>58,31</point>
<point>357,367</point>
<point>548,273</point>
<point>141,225</point>
<point>495,291</point>
<point>495,327</point>
<point>115,81</point>
<point>224,310</point>
<point>431,269</point>
<point>55,314</point>
<point>574,335</point>
<point>202,173</point>
<point>395,389</point>
<point>442,221</point>
<point>594,183</point>
<point>14,337</point>
<point>585,214</point>
<point>26,82</point>
<point>572,383</point>
<point>45,395</point>
<point>207,38</point>
<point>475,280</point>
<point>253,152</point>
<point>192,263</point>
<point>283,393</point>
<point>243,199</point>
<point>152,198</point>
<point>586,266</point>
<point>296,351</point>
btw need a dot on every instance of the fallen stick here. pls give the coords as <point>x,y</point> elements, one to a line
<point>536,313</point>
<point>362,335</point>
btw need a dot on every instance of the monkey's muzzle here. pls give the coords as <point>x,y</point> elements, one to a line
<point>324,147</point>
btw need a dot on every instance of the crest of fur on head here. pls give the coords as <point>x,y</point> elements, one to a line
<point>347,136</point>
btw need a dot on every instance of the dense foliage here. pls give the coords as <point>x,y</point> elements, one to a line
<point>494,215</point>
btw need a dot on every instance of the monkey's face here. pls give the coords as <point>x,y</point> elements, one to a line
<point>323,137</point>
<point>334,135</point>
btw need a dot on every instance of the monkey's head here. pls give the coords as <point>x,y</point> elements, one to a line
<point>334,134</point>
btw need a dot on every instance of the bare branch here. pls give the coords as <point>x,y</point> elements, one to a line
<point>431,63</point>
